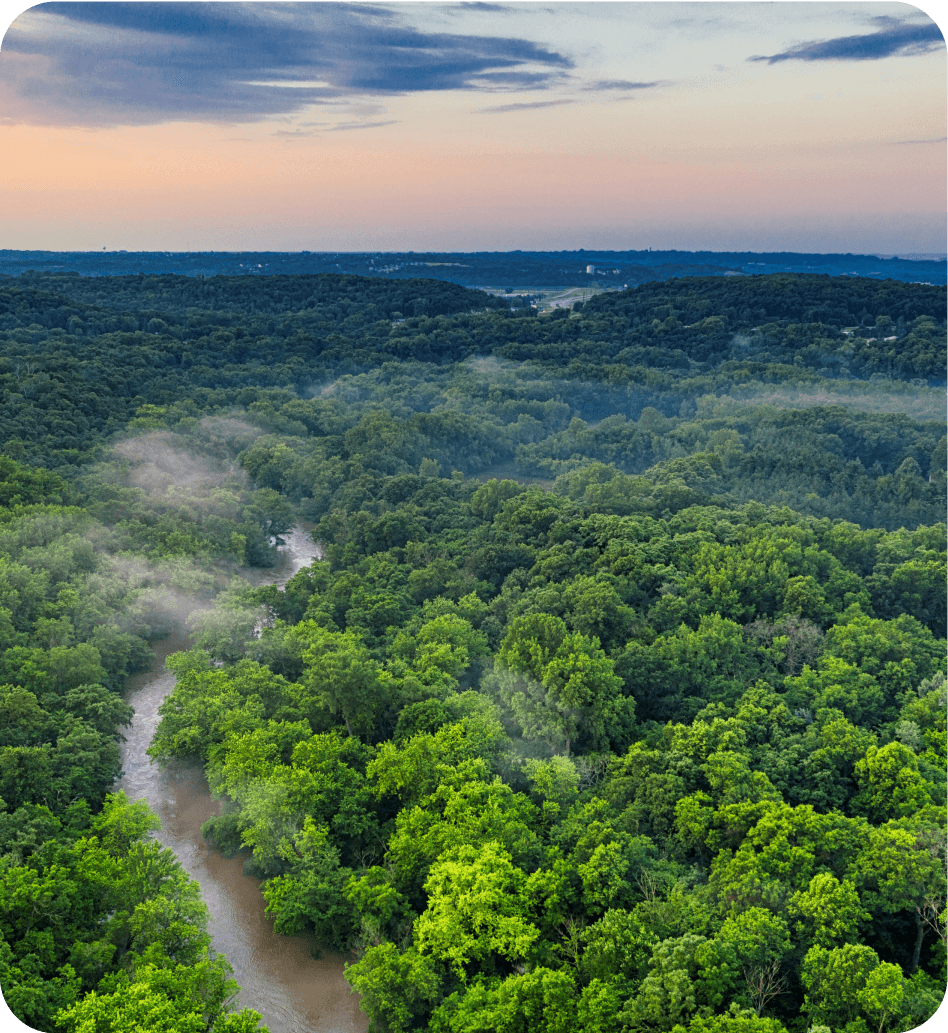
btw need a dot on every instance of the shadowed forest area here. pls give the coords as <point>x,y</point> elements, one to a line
<point>615,702</point>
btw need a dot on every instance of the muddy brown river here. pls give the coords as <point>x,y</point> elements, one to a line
<point>278,975</point>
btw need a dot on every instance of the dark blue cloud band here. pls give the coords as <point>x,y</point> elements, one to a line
<point>141,63</point>
<point>898,38</point>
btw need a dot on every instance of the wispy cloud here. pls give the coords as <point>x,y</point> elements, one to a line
<point>343,127</point>
<point>473,5</point>
<point>601,85</point>
<point>894,38</point>
<point>143,63</point>
<point>525,106</point>
<point>318,128</point>
<point>459,10</point>
<point>937,139</point>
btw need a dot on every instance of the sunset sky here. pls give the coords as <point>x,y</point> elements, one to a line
<point>395,126</point>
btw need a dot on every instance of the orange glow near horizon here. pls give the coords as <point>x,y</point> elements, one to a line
<point>114,180</point>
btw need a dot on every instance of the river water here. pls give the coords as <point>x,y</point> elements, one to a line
<point>278,975</point>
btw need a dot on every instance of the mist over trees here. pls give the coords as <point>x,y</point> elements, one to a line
<point>616,700</point>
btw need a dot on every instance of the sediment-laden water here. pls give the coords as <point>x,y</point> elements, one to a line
<point>278,975</point>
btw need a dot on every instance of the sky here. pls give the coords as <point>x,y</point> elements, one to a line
<point>473,126</point>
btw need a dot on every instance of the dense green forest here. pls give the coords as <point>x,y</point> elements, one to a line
<point>616,700</point>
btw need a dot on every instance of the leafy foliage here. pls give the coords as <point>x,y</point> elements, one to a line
<point>616,699</point>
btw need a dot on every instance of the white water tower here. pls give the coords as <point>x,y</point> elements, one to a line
<point>590,270</point>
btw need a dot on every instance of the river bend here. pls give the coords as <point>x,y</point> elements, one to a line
<point>278,975</point>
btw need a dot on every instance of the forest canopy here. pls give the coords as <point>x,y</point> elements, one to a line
<point>615,700</point>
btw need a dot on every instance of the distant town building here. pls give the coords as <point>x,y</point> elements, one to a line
<point>590,270</point>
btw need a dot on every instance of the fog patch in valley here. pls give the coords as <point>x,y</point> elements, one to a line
<point>490,365</point>
<point>878,396</point>
<point>193,474</point>
<point>323,391</point>
<point>162,597</point>
<point>196,470</point>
